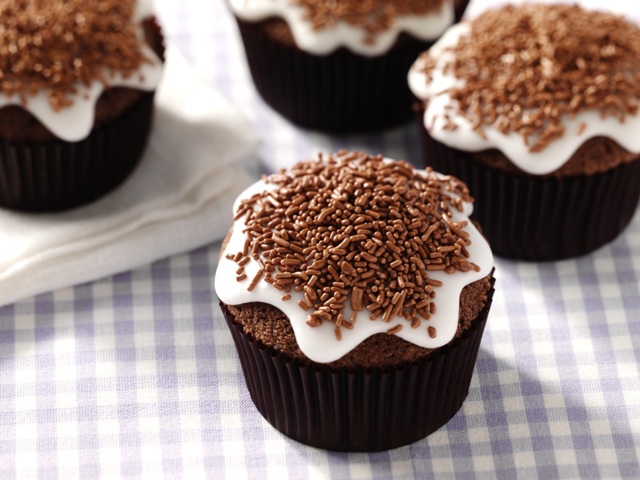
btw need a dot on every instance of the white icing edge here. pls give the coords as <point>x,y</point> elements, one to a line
<point>320,344</point>
<point>74,123</point>
<point>551,158</point>
<point>326,40</point>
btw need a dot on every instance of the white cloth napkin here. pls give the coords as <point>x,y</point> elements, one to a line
<point>179,198</point>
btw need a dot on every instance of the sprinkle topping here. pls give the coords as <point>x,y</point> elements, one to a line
<point>373,16</point>
<point>56,44</point>
<point>353,230</point>
<point>526,67</point>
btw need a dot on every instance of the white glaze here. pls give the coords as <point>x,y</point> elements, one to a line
<point>320,343</point>
<point>325,40</point>
<point>551,158</point>
<point>74,122</point>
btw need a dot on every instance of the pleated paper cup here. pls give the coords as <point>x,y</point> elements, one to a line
<point>542,218</point>
<point>358,410</point>
<point>54,175</point>
<point>341,92</point>
<point>58,175</point>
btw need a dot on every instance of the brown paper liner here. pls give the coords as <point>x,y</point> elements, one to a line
<point>537,218</point>
<point>359,411</point>
<point>58,175</point>
<point>460,6</point>
<point>341,92</point>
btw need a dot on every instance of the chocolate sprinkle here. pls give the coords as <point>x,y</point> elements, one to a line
<point>374,16</point>
<point>355,229</point>
<point>526,67</point>
<point>56,44</point>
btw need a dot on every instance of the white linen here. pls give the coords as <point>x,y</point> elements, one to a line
<point>179,197</point>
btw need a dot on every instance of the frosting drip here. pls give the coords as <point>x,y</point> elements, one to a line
<point>68,111</point>
<point>323,41</point>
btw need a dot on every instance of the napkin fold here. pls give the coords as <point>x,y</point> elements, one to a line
<point>179,197</point>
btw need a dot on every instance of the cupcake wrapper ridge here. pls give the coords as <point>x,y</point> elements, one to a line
<point>57,175</point>
<point>359,410</point>
<point>341,92</point>
<point>542,218</point>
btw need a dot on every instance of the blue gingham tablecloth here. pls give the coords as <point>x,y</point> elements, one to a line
<point>136,375</point>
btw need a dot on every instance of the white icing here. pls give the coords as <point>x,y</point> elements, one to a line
<point>551,158</point>
<point>325,40</point>
<point>320,343</point>
<point>74,122</point>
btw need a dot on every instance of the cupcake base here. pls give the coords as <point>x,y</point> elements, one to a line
<point>56,175</point>
<point>535,218</point>
<point>341,92</point>
<point>358,410</point>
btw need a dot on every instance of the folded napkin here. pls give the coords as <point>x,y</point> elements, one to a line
<point>179,197</point>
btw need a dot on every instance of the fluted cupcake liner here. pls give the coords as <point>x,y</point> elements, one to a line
<point>359,410</point>
<point>57,175</point>
<point>537,218</point>
<point>340,92</point>
<point>460,6</point>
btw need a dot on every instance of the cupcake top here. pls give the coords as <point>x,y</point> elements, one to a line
<point>58,56</point>
<point>366,28</point>
<point>350,245</point>
<point>534,81</point>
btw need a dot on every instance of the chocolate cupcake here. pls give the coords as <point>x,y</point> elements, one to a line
<point>339,66</point>
<point>76,98</point>
<point>357,292</point>
<point>535,107</point>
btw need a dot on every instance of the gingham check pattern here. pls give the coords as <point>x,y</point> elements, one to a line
<point>136,375</point>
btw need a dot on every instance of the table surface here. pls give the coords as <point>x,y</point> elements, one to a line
<point>136,375</point>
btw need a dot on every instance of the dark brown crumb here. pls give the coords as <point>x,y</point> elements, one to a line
<point>526,67</point>
<point>272,327</point>
<point>353,229</point>
<point>56,44</point>
<point>596,155</point>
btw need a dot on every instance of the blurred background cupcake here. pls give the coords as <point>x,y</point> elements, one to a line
<point>535,107</point>
<point>357,293</point>
<point>339,66</point>
<point>76,98</point>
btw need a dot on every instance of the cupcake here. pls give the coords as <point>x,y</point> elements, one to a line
<point>356,291</point>
<point>535,107</point>
<point>77,83</point>
<point>339,66</point>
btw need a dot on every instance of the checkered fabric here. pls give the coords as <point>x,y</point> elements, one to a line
<point>137,376</point>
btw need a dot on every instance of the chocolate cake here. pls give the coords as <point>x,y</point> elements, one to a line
<point>340,66</point>
<point>360,273</point>
<point>535,107</point>
<point>76,99</point>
